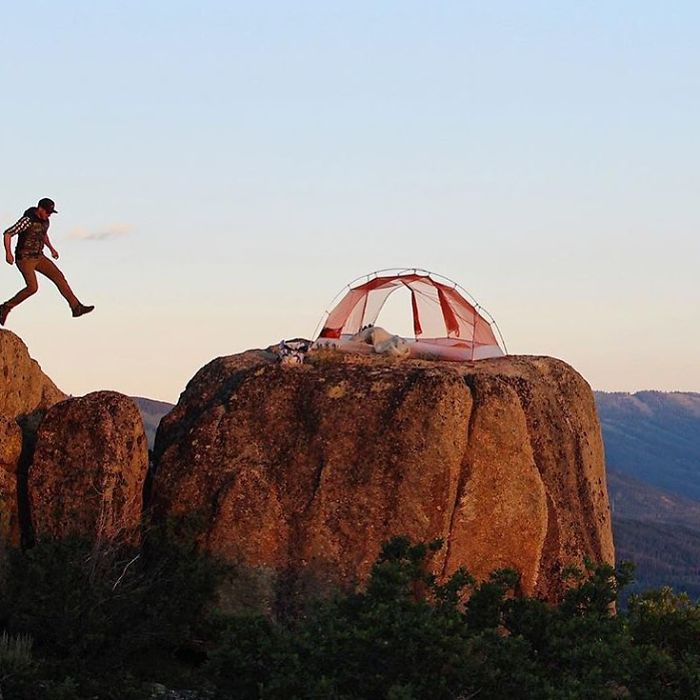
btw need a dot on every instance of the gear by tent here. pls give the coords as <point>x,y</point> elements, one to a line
<point>446,325</point>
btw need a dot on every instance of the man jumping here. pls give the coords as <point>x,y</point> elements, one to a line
<point>32,232</point>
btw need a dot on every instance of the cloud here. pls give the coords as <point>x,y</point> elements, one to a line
<point>113,231</point>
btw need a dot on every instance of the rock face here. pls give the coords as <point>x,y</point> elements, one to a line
<point>312,467</point>
<point>89,467</point>
<point>10,451</point>
<point>25,393</point>
<point>24,388</point>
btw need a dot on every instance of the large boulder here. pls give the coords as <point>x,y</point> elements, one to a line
<point>24,388</point>
<point>310,468</point>
<point>25,393</point>
<point>88,469</point>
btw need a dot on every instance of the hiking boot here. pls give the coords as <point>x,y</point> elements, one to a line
<point>4,310</point>
<point>81,310</point>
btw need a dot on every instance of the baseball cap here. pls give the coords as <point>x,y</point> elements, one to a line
<point>48,204</point>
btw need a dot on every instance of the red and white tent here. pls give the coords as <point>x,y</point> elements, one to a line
<point>445,324</point>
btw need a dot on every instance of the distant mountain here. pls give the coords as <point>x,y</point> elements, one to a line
<point>652,450</point>
<point>151,413</point>
<point>653,437</point>
<point>632,499</point>
<point>665,555</point>
<point>659,531</point>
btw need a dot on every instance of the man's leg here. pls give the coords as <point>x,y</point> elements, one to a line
<point>26,267</point>
<point>49,269</point>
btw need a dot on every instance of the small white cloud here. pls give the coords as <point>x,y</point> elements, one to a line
<point>114,231</point>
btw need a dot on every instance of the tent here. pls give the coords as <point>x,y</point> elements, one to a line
<point>445,324</point>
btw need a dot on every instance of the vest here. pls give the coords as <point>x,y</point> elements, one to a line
<point>30,243</point>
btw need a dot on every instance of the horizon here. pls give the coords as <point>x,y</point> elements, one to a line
<point>595,391</point>
<point>222,170</point>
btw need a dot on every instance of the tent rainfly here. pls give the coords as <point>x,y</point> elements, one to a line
<point>445,325</point>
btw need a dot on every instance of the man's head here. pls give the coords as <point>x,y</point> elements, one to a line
<point>45,208</point>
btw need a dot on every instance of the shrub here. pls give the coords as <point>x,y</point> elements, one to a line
<point>105,622</point>
<point>98,612</point>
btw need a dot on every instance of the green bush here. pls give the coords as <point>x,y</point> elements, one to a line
<point>100,612</point>
<point>105,622</point>
<point>15,653</point>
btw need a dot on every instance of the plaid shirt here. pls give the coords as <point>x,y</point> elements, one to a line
<point>31,232</point>
<point>22,225</point>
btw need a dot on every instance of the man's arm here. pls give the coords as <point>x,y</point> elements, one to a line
<point>8,250</point>
<point>54,252</point>
<point>20,226</point>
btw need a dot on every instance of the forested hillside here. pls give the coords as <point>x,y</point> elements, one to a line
<point>654,437</point>
<point>652,445</point>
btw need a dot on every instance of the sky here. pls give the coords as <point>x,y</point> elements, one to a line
<point>223,169</point>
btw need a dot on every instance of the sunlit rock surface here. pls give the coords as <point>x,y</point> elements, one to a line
<point>25,393</point>
<point>88,469</point>
<point>310,468</point>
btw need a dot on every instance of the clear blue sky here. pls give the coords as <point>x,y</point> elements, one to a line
<point>222,169</point>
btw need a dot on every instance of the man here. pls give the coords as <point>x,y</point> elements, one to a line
<point>32,232</point>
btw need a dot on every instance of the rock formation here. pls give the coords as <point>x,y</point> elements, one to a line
<point>308,469</point>
<point>10,451</point>
<point>313,467</point>
<point>24,388</point>
<point>25,393</point>
<point>88,469</point>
